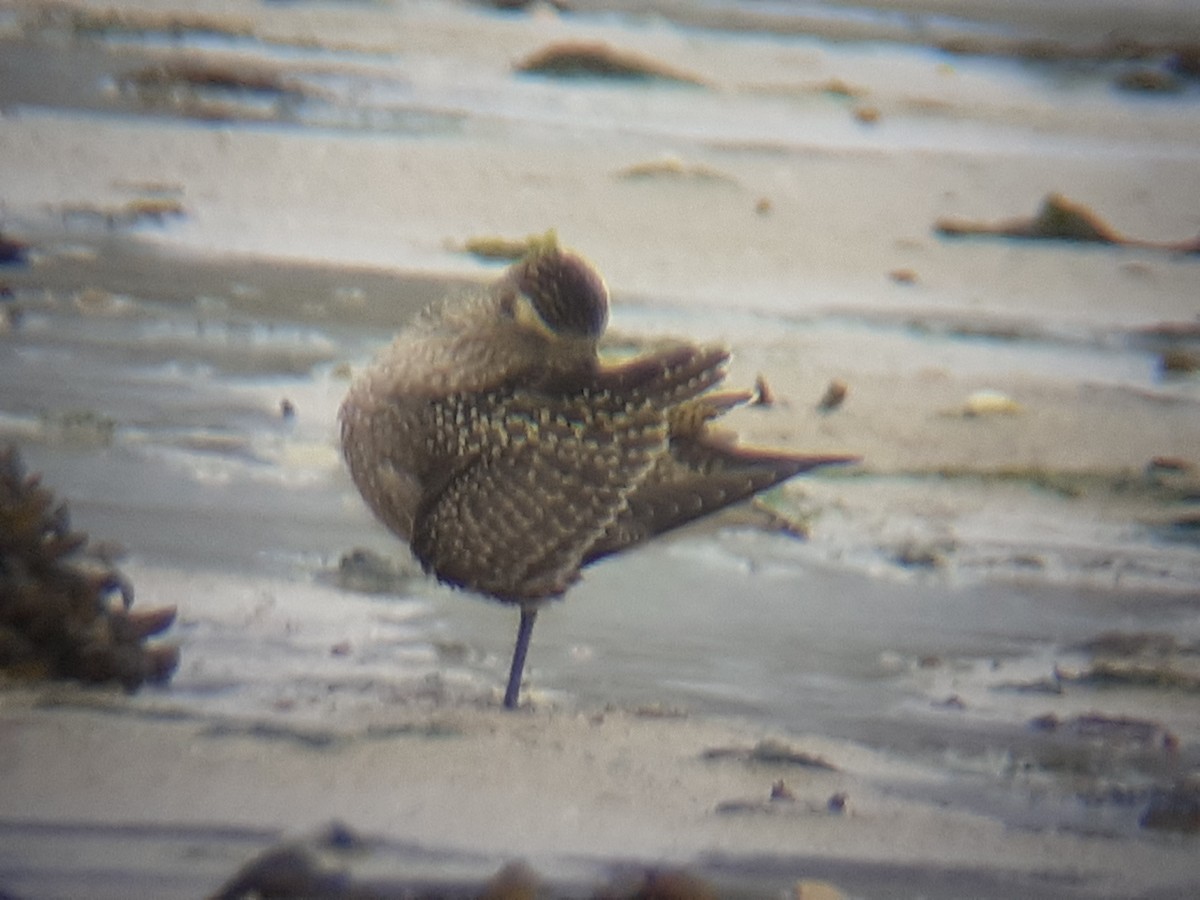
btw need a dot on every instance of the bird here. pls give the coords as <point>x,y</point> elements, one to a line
<point>494,437</point>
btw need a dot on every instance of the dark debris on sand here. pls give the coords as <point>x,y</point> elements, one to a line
<point>64,611</point>
<point>770,752</point>
<point>12,251</point>
<point>1061,219</point>
<point>1176,808</point>
<point>323,868</point>
<point>588,59</point>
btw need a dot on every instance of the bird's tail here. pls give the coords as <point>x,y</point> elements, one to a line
<point>704,471</point>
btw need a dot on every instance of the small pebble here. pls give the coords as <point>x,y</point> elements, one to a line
<point>834,396</point>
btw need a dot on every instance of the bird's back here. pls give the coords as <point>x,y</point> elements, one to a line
<point>555,464</point>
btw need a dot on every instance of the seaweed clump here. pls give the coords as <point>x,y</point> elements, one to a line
<point>1060,219</point>
<point>64,611</point>
<point>584,59</point>
<point>324,864</point>
<point>504,249</point>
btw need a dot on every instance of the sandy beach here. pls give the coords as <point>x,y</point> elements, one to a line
<point>968,666</point>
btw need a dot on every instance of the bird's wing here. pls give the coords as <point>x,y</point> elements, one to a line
<point>703,471</point>
<point>551,471</point>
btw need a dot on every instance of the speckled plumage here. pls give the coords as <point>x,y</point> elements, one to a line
<point>493,439</point>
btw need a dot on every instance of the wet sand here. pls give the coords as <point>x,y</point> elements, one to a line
<point>921,622</point>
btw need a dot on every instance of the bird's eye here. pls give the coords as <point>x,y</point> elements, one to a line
<point>566,292</point>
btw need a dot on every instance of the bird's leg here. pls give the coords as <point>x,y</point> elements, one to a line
<point>524,632</point>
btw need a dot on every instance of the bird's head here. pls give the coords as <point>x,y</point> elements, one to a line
<point>555,293</point>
